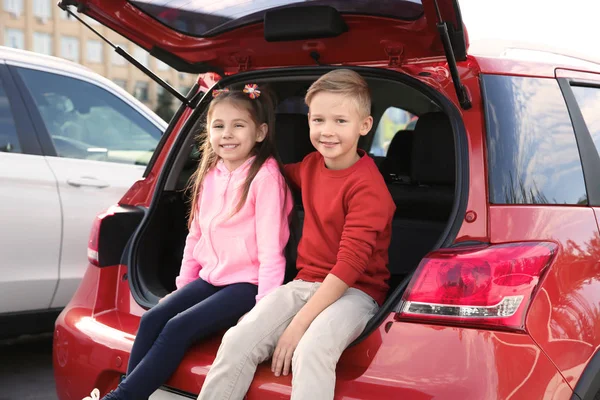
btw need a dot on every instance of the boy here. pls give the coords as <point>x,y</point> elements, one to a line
<point>306,324</point>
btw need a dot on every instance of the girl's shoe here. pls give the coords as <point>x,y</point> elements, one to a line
<point>95,395</point>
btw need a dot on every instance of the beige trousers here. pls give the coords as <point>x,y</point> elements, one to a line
<point>254,339</point>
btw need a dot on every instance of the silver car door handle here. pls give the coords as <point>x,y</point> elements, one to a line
<point>87,182</point>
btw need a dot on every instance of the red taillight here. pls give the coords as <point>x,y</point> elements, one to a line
<point>92,251</point>
<point>480,286</point>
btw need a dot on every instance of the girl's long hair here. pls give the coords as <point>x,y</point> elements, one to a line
<point>262,111</point>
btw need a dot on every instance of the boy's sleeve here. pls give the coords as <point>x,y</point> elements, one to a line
<point>292,172</point>
<point>365,219</point>
<point>190,268</point>
<point>273,206</point>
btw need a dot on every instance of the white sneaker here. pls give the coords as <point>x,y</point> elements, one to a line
<point>95,395</point>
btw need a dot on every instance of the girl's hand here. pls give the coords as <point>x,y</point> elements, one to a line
<point>161,299</point>
<point>282,357</point>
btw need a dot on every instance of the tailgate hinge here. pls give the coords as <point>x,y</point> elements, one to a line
<point>243,63</point>
<point>395,55</point>
<point>443,30</point>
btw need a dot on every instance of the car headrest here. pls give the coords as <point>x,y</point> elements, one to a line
<point>397,159</point>
<point>292,137</point>
<point>433,159</point>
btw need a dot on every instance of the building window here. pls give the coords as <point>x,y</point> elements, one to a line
<point>90,21</point>
<point>141,55</point>
<point>161,66</point>
<point>66,16</point>
<point>184,89</point>
<point>141,91</point>
<point>42,43</point>
<point>94,51</point>
<point>14,7</point>
<point>118,59</point>
<point>69,48</point>
<point>121,82</point>
<point>14,38</point>
<point>42,9</point>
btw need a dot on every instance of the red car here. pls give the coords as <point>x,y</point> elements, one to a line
<point>495,288</point>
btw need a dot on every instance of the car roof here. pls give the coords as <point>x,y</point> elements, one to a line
<point>529,59</point>
<point>69,68</point>
<point>29,57</point>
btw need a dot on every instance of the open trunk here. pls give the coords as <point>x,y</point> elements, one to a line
<point>412,141</point>
<point>418,138</point>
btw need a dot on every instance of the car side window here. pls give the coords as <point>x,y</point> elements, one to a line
<point>88,122</point>
<point>9,141</point>
<point>533,156</point>
<point>392,121</point>
<point>588,99</point>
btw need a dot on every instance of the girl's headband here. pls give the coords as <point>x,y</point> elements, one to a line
<point>250,89</point>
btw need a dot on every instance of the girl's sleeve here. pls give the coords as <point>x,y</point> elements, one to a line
<point>190,268</point>
<point>272,209</point>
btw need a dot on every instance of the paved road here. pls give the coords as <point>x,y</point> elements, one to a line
<point>26,368</point>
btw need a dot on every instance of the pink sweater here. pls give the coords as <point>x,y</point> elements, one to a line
<point>248,246</point>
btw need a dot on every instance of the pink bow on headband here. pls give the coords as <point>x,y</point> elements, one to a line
<point>252,90</point>
<point>217,92</point>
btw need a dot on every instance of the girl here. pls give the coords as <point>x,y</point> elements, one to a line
<point>234,252</point>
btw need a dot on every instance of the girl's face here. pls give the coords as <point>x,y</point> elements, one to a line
<point>233,133</point>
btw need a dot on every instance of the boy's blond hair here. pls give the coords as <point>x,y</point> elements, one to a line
<point>345,82</point>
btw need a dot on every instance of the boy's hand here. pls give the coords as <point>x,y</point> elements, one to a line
<point>332,289</point>
<point>282,357</point>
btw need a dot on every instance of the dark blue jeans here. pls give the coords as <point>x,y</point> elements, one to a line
<point>167,330</point>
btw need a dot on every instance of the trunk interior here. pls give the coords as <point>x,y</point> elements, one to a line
<point>412,142</point>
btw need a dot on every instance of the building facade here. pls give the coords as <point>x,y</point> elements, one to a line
<point>40,26</point>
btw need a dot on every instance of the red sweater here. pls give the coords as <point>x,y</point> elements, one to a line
<point>347,223</point>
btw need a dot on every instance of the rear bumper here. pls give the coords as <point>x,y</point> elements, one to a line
<point>88,353</point>
<point>82,360</point>
<point>95,332</point>
<point>417,361</point>
<point>399,360</point>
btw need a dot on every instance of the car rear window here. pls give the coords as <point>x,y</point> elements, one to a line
<point>208,18</point>
<point>532,151</point>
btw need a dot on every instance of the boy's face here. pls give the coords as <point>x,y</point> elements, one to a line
<point>335,127</point>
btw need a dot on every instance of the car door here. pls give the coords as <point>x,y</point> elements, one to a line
<point>582,94</point>
<point>96,143</point>
<point>30,211</point>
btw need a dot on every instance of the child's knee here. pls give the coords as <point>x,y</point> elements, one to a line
<point>316,354</point>
<point>235,342</point>
<point>176,327</point>
<point>151,319</point>
<point>306,351</point>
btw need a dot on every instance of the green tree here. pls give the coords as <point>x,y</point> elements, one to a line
<point>164,108</point>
